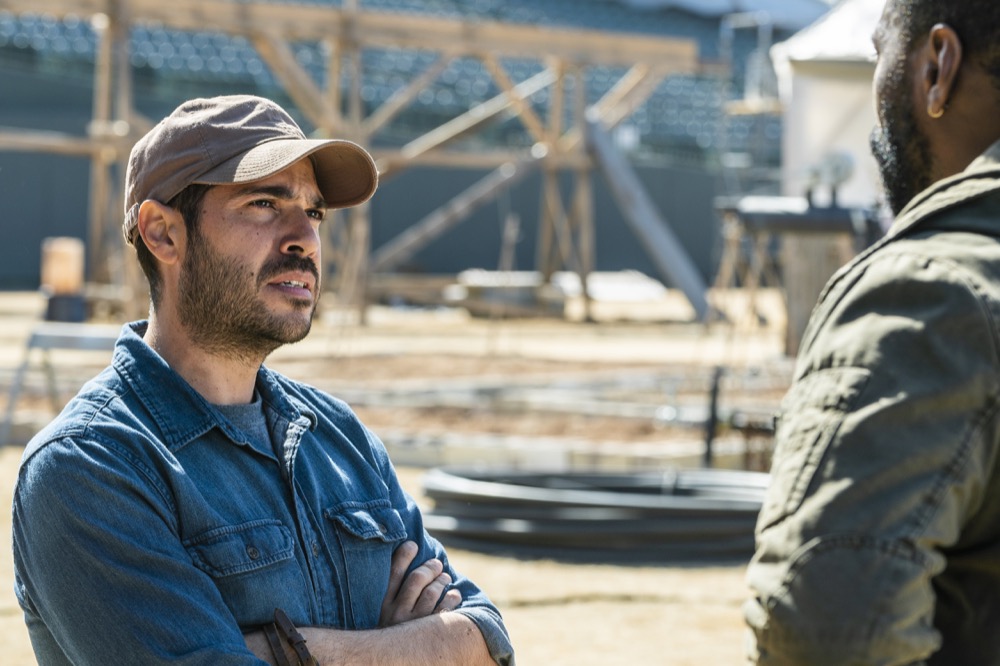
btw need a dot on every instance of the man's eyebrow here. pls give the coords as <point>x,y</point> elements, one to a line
<point>278,192</point>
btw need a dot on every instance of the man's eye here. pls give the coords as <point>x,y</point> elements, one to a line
<point>317,214</point>
<point>262,203</point>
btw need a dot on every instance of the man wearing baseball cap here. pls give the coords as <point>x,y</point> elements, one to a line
<point>192,506</point>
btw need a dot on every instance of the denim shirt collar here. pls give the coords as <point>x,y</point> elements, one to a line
<point>180,412</point>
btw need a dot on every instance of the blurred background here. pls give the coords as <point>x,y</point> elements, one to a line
<point>570,311</point>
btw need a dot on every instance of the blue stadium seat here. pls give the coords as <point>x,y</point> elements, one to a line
<point>684,109</point>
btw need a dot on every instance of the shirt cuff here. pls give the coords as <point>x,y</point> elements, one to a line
<point>494,633</point>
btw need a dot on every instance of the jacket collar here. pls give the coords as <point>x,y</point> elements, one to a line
<point>981,177</point>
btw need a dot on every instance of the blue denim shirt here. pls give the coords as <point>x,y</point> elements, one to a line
<point>147,531</point>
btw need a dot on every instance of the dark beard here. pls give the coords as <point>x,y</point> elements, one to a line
<point>900,148</point>
<point>220,309</point>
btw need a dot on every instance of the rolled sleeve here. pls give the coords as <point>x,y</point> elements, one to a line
<point>475,603</point>
<point>494,633</point>
<point>882,453</point>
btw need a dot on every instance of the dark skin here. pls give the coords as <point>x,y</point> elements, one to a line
<point>955,101</point>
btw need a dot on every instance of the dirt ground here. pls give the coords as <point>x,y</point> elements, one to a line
<point>557,613</point>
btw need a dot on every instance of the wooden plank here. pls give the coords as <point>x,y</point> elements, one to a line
<point>402,97</point>
<point>409,242</point>
<point>628,93</point>
<point>475,117</point>
<point>297,82</point>
<point>391,161</point>
<point>57,143</point>
<point>531,121</point>
<point>368,28</point>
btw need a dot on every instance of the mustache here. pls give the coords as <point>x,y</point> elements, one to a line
<point>288,264</point>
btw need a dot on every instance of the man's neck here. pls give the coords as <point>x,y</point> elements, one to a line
<point>222,379</point>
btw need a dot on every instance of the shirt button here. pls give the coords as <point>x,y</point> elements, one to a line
<point>253,552</point>
<point>315,549</point>
<point>382,528</point>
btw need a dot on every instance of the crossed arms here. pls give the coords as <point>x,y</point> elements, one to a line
<point>416,626</point>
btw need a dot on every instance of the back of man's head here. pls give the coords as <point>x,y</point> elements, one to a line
<point>976,22</point>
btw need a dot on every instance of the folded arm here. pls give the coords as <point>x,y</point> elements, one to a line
<point>416,627</point>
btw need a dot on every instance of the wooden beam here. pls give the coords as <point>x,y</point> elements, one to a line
<point>410,241</point>
<point>583,204</point>
<point>386,29</point>
<point>531,121</point>
<point>475,117</point>
<point>402,97</point>
<point>347,32</point>
<point>297,82</point>
<point>333,99</point>
<point>57,143</point>
<point>557,217</point>
<point>633,93</point>
<point>628,93</point>
<point>393,160</point>
<point>107,27</point>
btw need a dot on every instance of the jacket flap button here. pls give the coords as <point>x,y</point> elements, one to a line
<point>253,552</point>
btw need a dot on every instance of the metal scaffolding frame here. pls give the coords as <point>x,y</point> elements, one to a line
<point>566,229</point>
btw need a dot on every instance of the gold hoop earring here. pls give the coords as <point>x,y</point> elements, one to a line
<point>935,114</point>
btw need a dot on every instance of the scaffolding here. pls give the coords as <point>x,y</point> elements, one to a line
<point>566,228</point>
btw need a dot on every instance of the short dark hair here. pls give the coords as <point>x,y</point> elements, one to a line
<point>976,22</point>
<point>188,204</point>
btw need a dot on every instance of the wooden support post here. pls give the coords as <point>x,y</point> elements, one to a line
<point>299,85</point>
<point>583,202</point>
<point>100,178</point>
<point>123,268</point>
<point>546,253</point>
<point>566,232</point>
<point>334,102</point>
<point>528,116</point>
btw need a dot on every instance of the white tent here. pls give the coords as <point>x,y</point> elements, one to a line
<point>825,76</point>
<point>825,83</point>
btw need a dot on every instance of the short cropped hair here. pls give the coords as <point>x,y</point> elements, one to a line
<point>976,22</point>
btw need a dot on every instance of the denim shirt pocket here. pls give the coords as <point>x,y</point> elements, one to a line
<point>810,416</point>
<point>252,565</point>
<point>367,533</point>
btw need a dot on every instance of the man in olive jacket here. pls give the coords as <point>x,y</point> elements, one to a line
<point>879,540</point>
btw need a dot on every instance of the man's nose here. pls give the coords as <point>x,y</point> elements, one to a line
<point>302,236</point>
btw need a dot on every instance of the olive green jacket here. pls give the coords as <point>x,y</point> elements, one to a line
<point>879,539</point>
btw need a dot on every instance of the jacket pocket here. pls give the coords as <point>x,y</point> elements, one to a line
<point>367,534</point>
<point>253,566</point>
<point>810,416</point>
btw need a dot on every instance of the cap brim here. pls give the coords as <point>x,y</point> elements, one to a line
<point>345,173</point>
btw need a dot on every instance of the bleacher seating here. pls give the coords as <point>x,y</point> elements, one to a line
<point>684,115</point>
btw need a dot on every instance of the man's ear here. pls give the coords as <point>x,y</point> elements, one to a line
<point>941,59</point>
<point>162,230</point>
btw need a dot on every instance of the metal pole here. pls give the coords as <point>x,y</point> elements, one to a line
<point>712,422</point>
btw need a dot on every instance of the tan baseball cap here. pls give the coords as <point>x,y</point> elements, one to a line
<point>238,139</point>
